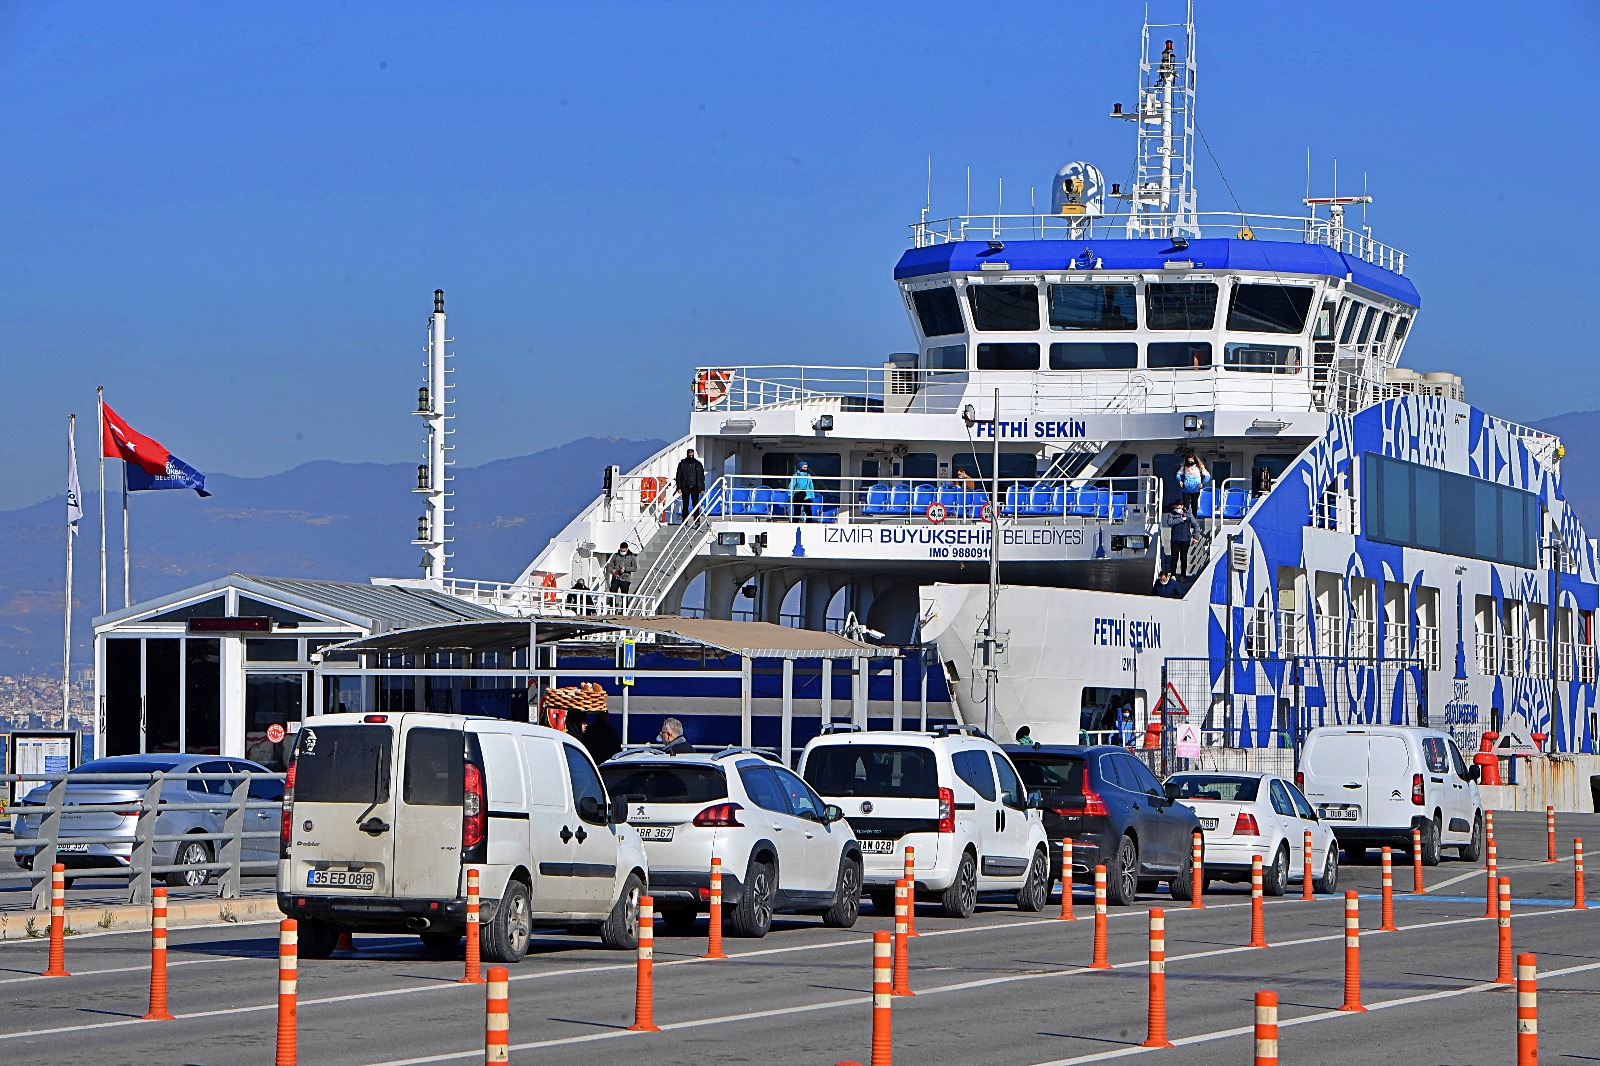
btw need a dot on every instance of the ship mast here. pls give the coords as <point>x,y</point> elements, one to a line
<point>1161,202</point>
<point>433,477</point>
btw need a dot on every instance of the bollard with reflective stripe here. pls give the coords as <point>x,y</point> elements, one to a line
<point>474,969</point>
<point>1100,962</point>
<point>882,998</point>
<point>911,893</point>
<point>58,923</point>
<point>1266,1028</point>
<point>1580,898</point>
<point>1258,924</point>
<point>1156,1029</point>
<point>902,943</point>
<point>1306,877</point>
<point>714,938</point>
<point>1549,833</point>
<point>288,983</point>
<point>1527,1010</point>
<point>1197,871</point>
<point>1352,952</point>
<point>1387,924</point>
<point>644,1008</point>
<point>1504,975</point>
<point>1417,887</point>
<point>1491,907</point>
<point>497,1017</point>
<point>1066,881</point>
<point>158,957</point>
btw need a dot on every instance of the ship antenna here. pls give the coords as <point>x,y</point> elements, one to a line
<point>927,203</point>
<point>1162,197</point>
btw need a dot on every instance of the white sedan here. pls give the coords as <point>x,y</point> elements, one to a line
<point>1244,814</point>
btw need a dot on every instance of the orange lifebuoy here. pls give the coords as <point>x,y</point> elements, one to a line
<point>549,585</point>
<point>650,488</point>
<point>711,387</point>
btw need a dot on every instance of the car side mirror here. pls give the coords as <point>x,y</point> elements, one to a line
<point>589,809</point>
<point>619,811</point>
<point>1035,800</point>
<point>832,813</point>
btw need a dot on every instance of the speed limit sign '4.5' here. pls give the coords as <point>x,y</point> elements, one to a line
<point>937,512</point>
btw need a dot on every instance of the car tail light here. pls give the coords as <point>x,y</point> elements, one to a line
<point>1094,804</point>
<point>286,819</point>
<point>947,811</point>
<point>1300,780</point>
<point>720,816</point>
<point>473,815</point>
<point>1416,790</point>
<point>1245,825</point>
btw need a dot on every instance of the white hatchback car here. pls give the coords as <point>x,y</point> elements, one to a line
<point>954,796</point>
<point>782,848</point>
<point>1244,814</point>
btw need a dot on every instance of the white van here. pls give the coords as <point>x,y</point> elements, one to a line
<point>383,813</point>
<point>1374,784</point>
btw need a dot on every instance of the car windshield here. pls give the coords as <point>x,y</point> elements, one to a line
<point>1213,787</point>
<point>343,764</point>
<point>1051,773</point>
<point>655,783</point>
<point>873,770</point>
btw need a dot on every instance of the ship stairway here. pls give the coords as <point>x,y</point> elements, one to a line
<point>1085,458</point>
<point>664,557</point>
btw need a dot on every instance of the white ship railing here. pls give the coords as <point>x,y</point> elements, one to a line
<point>1212,224</point>
<point>523,600</point>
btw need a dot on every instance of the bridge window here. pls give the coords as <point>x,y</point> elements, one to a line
<point>1351,315</point>
<point>946,357</point>
<point>1180,305</point>
<point>1262,358</point>
<point>938,311</point>
<point>1008,356</point>
<point>1383,328</point>
<point>1366,326</point>
<point>1005,308</point>
<point>1178,355</point>
<point>1090,355</point>
<point>1093,307</point>
<point>1269,308</point>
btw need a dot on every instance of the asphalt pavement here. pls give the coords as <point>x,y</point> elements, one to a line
<point>1004,987</point>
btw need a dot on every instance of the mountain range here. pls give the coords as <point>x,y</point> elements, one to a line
<point>330,520</point>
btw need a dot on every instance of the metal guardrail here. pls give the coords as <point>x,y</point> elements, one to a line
<point>550,601</point>
<point>142,867</point>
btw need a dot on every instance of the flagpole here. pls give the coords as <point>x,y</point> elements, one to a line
<point>127,598</point>
<point>72,535</point>
<point>100,407</point>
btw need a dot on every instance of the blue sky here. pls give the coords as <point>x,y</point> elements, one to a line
<point>234,216</point>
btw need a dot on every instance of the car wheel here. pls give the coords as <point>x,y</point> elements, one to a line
<point>961,898</point>
<point>505,939</point>
<point>1276,880</point>
<point>1473,851</point>
<point>1329,881</point>
<point>1036,889</point>
<point>1123,888</point>
<point>847,899</point>
<point>753,916</point>
<point>1182,885</point>
<point>620,930</point>
<point>316,938</point>
<point>191,853</point>
<point>679,920</point>
<point>1430,841</point>
<point>440,943</point>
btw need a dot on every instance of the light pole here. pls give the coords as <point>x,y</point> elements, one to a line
<point>991,632</point>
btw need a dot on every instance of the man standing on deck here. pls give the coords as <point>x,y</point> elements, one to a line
<point>691,478</point>
<point>623,566</point>
<point>1183,531</point>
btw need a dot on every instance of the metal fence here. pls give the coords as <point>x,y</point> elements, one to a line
<point>137,844</point>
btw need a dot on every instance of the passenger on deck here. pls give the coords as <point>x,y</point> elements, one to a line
<point>964,479</point>
<point>802,494</point>
<point>1167,586</point>
<point>1192,478</point>
<point>1183,534</point>
<point>623,566</point>
<point>691,479</point>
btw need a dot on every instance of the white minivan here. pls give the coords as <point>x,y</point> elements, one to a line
<point>1374,784</point>
<point>384,813</point>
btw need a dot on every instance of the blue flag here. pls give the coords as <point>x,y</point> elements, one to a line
<point>178,475</point>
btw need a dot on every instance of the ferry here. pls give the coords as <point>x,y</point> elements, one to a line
<point>1364,544</point>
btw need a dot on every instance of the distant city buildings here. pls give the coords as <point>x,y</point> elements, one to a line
<point>34,702</point>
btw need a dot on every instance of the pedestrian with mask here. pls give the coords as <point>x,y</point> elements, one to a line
<point>1183,535</point>
<point>623,566</point>
<point>802,493</point>
<point>691,479</point>
<point>1193,477</point>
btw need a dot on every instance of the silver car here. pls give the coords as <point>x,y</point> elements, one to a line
<point>122,823</point>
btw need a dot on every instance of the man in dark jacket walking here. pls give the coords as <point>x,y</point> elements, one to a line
<point>1183,532</point>
<point>623,565</point>
<point>691,478</point>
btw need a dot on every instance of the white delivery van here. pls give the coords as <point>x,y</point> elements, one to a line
<point>384,813</point>
<point>1374,784</point>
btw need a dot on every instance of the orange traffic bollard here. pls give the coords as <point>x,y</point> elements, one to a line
<point>288,984</point>
<point>714,938</point>
<point>1417,887</point>
<point>1066,881</point>
<point>474,971</point>
<point>911,892</point>
<point>1491,907</point>
<point>1156,1030</point>
<point>1504,976</point>
<point>1549,833</point>
<point>1580,900</point>
<point>882,997</point>
<point>1306,877</point>
<point>1352,952</point>
<point>58,923</point>
<point>902,943</point>
<point>1258,925</point>
<point>1197,872</point>
<point>644,993</point>
<point>1266,1028</point>
<point>497,1017</point>
<point>1527,1010</point>
<point>1387,924</point>
<point>1100,962</point>
<point>158,958</point>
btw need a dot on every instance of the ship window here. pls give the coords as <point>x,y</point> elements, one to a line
<point>947,357</point>
<point>1089,355</point>
<point>1008,357</point>
<point>1005,308</point>
<point>921,465</point>
<point>1180,305</point>
<point>1178,355</point>
<point>1400,328</point>
<point>1269,308</point>
<point>1383,327</point>
<point>1262,358</point>
<point>1093,307</point>
<point>1325,319</point>
<point>1351,314</point>
<point>1013,465</point>
<point>1366,326</point>
<point>1419,507</point>
<point>938,312</point>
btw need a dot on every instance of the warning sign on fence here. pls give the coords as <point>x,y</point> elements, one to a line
<point>1186,741</point>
